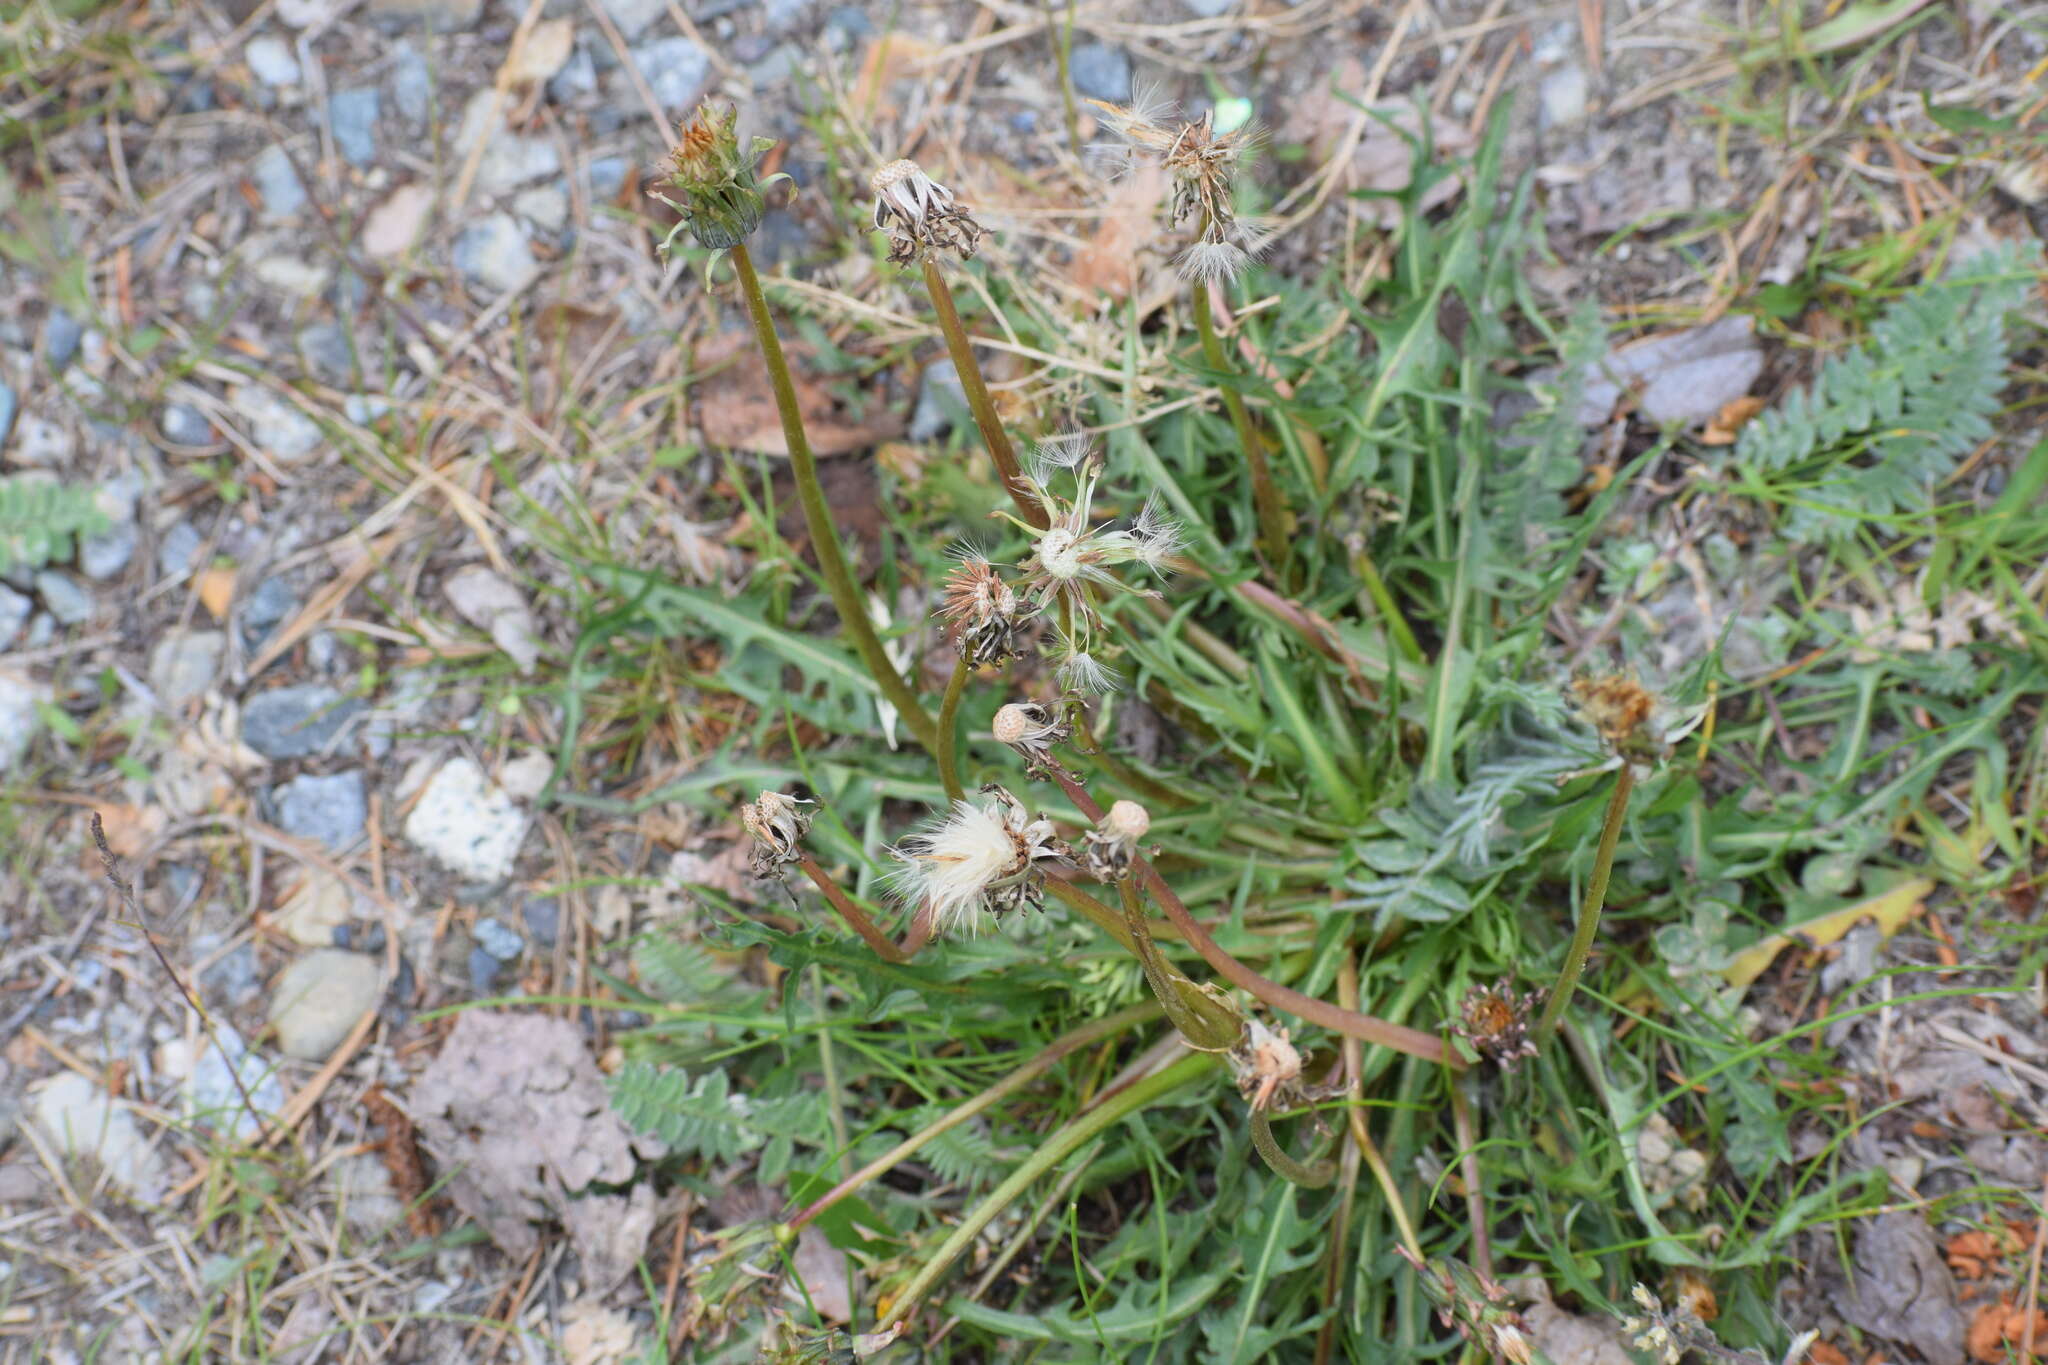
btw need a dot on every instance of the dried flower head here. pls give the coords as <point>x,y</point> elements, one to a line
<point>1474,1304</point>
<point>1112,846</point>
<point>1665,1333</point>
<point>1032,730</point>
<point>1070,556</point>
<point>978,857</point>
<point>1266,1065</point>
<point>1615,704</point>
<point>717,194</point>
<point>990,622</point>
<point>1201,165</point>
<point>777,824</point>
<point>1495,1021</point>
<point>920,215</point>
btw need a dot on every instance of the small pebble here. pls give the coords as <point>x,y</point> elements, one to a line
<point>500,942</point>
<point>184,664</point>
<point>483,972</point>
<point>9,405</point>
<point>231,979</point>
<point>64,599</point>
<point>14,610</point>
<point>494,253</point>
<point>941,402</point>
<point>467,823</point>
<point>81,1119</point>
<point>270,603</point>
<point>316,1001</point>
<point>178,551</point>
<point>332,809</point>
<point>272,60</point>
<point>1101,72</point>
<point>543,917</point>
<point>104,555</point>
<point>676,70</point>
<point>212,1096</point>
<point>19,719</point>
<point>578,77</point>
<point>185,425</point>
<point>297,721</point>
<point>436,16</point>
<point>278,184</point>
<point>279,427</point>
<point>324,347</point>
<point>38,441</point>
<point>353,115</point>
<point>412,84</point>
<point>61,336</point>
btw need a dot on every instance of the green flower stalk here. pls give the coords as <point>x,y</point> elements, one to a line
<point>720,201</point>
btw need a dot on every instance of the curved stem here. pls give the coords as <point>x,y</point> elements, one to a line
<point>853,616</point>
<point>1589,913</point>
<point>1399,1037</point>
<point>976,388</point>
<point>995,1094</point>
<point>1265,496</point>
<point>949,732</point>
<point>1056,1148</point>
<point>1286,1167</point>
<point>1098,914</point>
<point>1205,1022</point>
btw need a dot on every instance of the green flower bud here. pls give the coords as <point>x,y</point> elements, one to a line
<point>713,180</point>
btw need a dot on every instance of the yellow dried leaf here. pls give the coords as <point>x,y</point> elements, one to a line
<point>217,592</point>
<point>1890,908</point>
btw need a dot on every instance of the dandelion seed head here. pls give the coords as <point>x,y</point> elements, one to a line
<point>1206,261</point>
<point>978,858</point>
<point>920,215</point>
<point>1081,671</point>
<point>1059,553</point>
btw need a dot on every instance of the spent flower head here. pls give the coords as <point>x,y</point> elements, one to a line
<point>990,622</point>
<point>1032,729</point>
<point>1266,1065</point>
<point>1201,165</point>
<point>985,856</point>
<point>1495,1021</point>
<point>1112,846</point>
<point>920,215</point>
<point>777,825</point>
<point>713,181</point>
<point>1635,725</point>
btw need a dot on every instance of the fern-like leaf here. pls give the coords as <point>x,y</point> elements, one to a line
<point>40,519</point>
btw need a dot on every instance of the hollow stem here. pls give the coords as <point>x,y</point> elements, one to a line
<point>1067,1043</point>
<point>1475,1192</point>
<point>1286,1167</point>
<point>1351,1023</point>
<point>839,581</point>
<point>1205,1022</point>
<point>1354,1114</point>
<point>1265,496</point>
<point>855,917</point>
<point>976,388</point>
<point>1589,913</point>
<point>1054,1150</point>
<point>1098,914</point>
<point>949,732</point>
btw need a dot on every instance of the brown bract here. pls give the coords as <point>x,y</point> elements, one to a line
<point>1615,704</point>
<point>920,215</point>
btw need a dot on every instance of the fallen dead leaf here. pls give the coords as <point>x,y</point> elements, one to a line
<point>544,52</point>
<point>1903,1291</point>
<point>1890,908</point>
<point>1727,424</point>
<point>888,58</point>
<point>822,1268</point>
<point>217,592</point>
<point>736,407</point>
<point>1569,1339</point>
<point>515,1112</point>
<point>1821,1353</point>
<point>132,829</point>
<point>488,601</point>
<point>1999,1329</point>
<point>1109,262</point>
<point>595,1335</point>
<point>1970,1254</point>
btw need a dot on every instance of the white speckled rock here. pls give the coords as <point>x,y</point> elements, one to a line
<point>315,1001</point>
<point>468,823</point>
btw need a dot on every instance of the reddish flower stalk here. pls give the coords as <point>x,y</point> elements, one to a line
<point>1399,1037</point>
<point>920,932</point>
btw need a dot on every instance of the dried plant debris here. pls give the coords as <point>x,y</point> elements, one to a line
<point>1903,1292</point>
<point>515,1112</point>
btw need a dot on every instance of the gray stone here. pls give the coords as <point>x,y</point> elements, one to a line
<point>293,722</point>
<point>1101,72</point>
<point>61,336</point>
<point>604,176</point>
<point>230,979</point>
<point>363,1192</point>
<point>780,16</point>
<point>212,1096</point>
<point>106,554</point>
<point>331,809</point>
<point>9,405</point>
<point>183,665</point>
<point>508,159</point>
<point>276,425</point>
<point>494,253</point>
<point>543,917</point>
<point>545,206</point>
<point>326,350</point>
<point>278,184</point>
<point>941,402</point>
<point>185,425</point>
<point>39,441</point>
<point>436,16</point>
<point>846,26</point>
<point>64,599</point>
<point>676,70</point>
<point>1563,96</point>
<point>316,1001</point>
<point>353,115</point>
<point>178,552</point>
<point>577,78</point>
<point>483,972</point>
<point>412,84</point>
<point>83,1120</point>
<point>500,942</point>
<point>775,68</point>
<point>271,602</point>
<point>19,721</point>
<point>272,60</point>
<point>14,610</point>
<point>631,16</point>
<point>1210,9</point>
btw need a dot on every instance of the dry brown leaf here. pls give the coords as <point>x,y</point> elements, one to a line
<point>1820,1353</point>
<point>1903,1292</point>
<point>1999,1329</point>
<point>1109,262</point>
<point>515,1112</point>
<point>217,592</point>
<point>1727,424</point>
<point>1970,1254</point>
<point>736,407</point>
<point>132,829</point>
<point>822,1268</point>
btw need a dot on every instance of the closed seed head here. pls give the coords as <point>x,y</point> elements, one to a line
<point>920,215</point>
